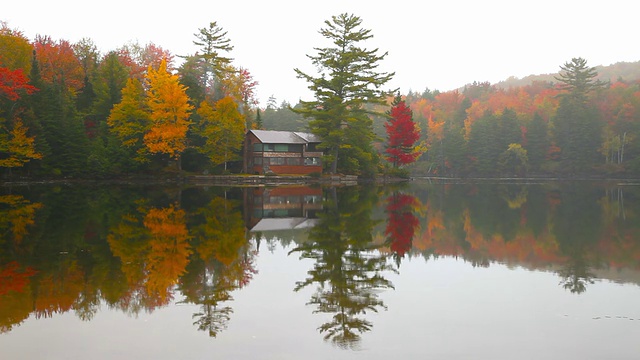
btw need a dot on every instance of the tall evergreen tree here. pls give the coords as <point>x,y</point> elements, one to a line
<point>484,144</point>
<point>258,121</point>
<point>347,80</point>
<point>577,127</point>
<point>509,129</point>
<point>578,79</point>
<point>537,141</point>
<point>213,42</point>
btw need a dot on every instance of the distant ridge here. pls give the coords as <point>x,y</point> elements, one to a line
<point>627,71</point>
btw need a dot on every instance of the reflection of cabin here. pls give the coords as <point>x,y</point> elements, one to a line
<point>282,208</point>
<point>282,152</point>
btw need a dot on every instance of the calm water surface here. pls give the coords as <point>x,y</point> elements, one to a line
<point>443,271</point>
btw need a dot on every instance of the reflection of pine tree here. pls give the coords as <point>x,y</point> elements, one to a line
<point>577,227</point>
<point>347,270</point>
<point>213,316</point>
<point>224,262</point>
<point>576,275</point>
<point>210,283</point>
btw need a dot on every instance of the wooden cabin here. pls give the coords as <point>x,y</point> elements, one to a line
<point>282,153</point>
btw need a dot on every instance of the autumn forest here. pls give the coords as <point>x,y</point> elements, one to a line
<point>70,110</point>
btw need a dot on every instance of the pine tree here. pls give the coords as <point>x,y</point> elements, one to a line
<point>537,141</point>
<point>347,80</point>
<point>577,127</point>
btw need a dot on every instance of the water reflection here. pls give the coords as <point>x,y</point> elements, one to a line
<point>136,249</point>
<point>402,222</point>
<point>347,271</point>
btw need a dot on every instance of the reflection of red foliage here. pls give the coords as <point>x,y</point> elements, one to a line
<point>402,222</point>
<point>12,278</point>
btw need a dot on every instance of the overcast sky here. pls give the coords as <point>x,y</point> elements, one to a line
<point>436,44</point>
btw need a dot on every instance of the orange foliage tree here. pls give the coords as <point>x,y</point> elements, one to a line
<point>169,113</point>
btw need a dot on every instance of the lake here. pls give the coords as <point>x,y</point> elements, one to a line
<point>435,270</point>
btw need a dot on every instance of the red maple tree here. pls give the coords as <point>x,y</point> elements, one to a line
<point>402,134</point>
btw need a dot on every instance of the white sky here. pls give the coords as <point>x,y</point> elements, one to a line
<point>436,44</point>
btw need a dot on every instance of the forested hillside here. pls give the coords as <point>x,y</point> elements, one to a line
<point>559,127</point>
<point>625,71</point>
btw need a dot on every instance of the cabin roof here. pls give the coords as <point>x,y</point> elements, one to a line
<point>284,137</point>
<point>270,224</point>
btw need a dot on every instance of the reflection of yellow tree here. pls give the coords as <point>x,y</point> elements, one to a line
<point>154,251</point>
<point>227,265</point>
<point>515,200</point>
<point>16,214</point>
<point>223,233</point>
<point>169,249</point>
<point>128,241</point>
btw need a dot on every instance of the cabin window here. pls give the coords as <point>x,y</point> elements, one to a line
<point>294,161</point>
<point>295,148</point>
<point>257,147</point>
<point>312,161</point>
<point>276,161</point>
<point>257,160</point>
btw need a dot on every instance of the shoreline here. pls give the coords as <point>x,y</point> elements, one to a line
<point>331,180</point>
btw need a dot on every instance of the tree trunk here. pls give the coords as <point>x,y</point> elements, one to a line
<point>334,164</point>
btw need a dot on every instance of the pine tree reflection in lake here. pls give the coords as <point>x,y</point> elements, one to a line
<point>446,271</point>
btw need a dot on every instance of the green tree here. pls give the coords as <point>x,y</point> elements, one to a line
<point>537,141</point>
<point>129,119</point>
<point>223,131</point>
<point>577,125</point>
<point>347,80</point>
<point>282,118</point>
<point>111,78</point>
<point>213,42</point>
<point>514,160</point>
<point>578,79</point>
<point>59,130</point>
<point>484,143</point>
<point>258,120</point>
<point>509,129</point>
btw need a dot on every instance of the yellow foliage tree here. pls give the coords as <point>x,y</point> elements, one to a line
<point>129,119</point>
<point>223,129</point>
<point>169,113</point>
<point>19,146</point>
